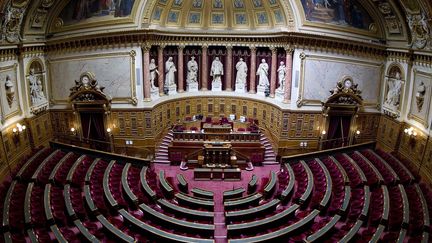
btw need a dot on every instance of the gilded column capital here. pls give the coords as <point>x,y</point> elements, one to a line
<point>302,56</point>
<point>229,47</point>
<point>273,49</point>
<point>146,47</point>
<point>289,49</point>
<point>161,46</point>
<point>181,47</point>
<point>252,48</point>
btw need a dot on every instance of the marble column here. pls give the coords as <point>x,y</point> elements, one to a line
<point>204,68</point>
<point>228,76</point>
<point>146,74</point>
<point>252,84</point>
<point>161,71</point>
<point>180,71</point>
<point>288,75</point>
<point>273,71</point>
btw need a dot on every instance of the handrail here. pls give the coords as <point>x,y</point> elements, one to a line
<point>243,156</point>
<point>188,156</point>
<point>162,133</point>
<point>272,139</point>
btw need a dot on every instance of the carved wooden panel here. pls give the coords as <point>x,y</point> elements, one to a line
<point>41,129</point>
<point>16,146</point>
<point>367,124</point>
<point>62,121</point>
<point>413,147</point>
<point>388,132</point>
<point>128,123</point>
<point>303,125</point>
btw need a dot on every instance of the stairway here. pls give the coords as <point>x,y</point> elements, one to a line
<point>162,152</point>
<point>269,154</point>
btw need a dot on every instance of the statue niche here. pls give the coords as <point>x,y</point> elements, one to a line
<point>36,82</point>
<point>394,85</point>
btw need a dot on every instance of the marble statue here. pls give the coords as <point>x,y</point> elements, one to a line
<point>170,69</point>
<point>216,71</point>
<point>241,72</point>
<point>262,72</point>
<point>192,73</point>
<point>10,90</point>
<point>36,91</point>
<point>281,75</point>
<point>420,95</point>
<point>394,89</point>
<point>153,72</point>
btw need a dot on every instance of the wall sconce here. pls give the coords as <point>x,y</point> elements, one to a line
<point>410,132</point>
<point>323,133</point>
<point>73,131</point>
<point>357,133</point>
<point>17,130</point>
<point>109,131</point>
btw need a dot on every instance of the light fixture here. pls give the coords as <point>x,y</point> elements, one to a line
<point>17,130</point>
<point>109,131</point>
<point>324,132</point>
<point>410,132</point>
<point>358,132</point>
<point>73,131</point>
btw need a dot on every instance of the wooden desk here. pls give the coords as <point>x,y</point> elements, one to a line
<point>198,192</point>
<point>252,184</point>
<point>68,202</point>
<point>324,230</point>
<point>57,233</point>
<point>126,188</point>
<point>44,162</point>
<point>89,200</point>
<point>190,213</point>
<point>120,235</point>
<point>270,187</point>
<point>278,233</point>
<point>67,157</point>
<point>160,234</point>
<point>85,232</point>
<point>236,193</point>
<point>174,222</point>
<point>262,223</point>
<point>30,161</point>
<point>74,167</point>
<point>145,185</point>
<point>108,195</point>
<point>210,128</point>
<point>183,185</point>
<point>250,200</point>
<point>193,201</point>
<point>252,212</point>
<point>27,202</point>
<point>90,171</point>
<point>166,187</point>
<point>47,204</point>
<point>289,188</point>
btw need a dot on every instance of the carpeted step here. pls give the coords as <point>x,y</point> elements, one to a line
<point>162,161</point>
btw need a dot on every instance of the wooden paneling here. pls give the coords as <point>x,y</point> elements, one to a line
<point>41,129</point>
<point>388,133</point>
<point>62,121</point>
<point>16,146</point>
<point>368,124</point>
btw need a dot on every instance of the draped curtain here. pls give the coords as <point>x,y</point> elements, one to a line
<point>93,126</point>
<point>339,127</point>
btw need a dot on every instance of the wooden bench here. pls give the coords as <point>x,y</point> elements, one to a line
<point>201,193</point>
<point>252,185</point>
<point>271,185</point>
<point>324,230</point>
<point>120,235</point>
<point>193,201</point>
<point>162,235</point>
<point>44,162</point>
<point>289,188</point>
<point>250,200</point>
<point>187,212</point>
<point>147,189</point>
<point>125,185</point>
<point>346,201</point>
<point>329,185</point>
<point>182,183</point>
<point>58,165</point>
<point>57,233</point>
<point>273,236</point>
<point>208,229</point>
<point>252,212</point>
<point>232,228</point>
<point>32,235</point>
<point>386,205</point>
<point>107,192</point>
<point>166,187</point>
<point>231,194</point>
<point>378,233</point>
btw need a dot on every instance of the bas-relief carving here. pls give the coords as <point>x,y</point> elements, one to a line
<point>12,24</point>
<point>115,71</point>
<point>420,31</point>
<point>421,97</point>
<point>320,76</point>
<point>9,92</point>
<point>393,91</point>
